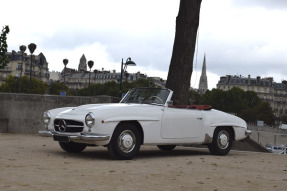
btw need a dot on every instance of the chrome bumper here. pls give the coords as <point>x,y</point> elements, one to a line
<point>75,137</point>
<point>247,132</point>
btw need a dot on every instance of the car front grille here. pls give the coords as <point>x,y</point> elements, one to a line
<point>70,126</point>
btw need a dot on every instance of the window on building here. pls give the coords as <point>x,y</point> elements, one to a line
<point>19,66</point>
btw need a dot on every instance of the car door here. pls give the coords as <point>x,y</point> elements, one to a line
<point>181,123</point>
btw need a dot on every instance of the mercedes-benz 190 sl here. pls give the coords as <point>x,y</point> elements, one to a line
<point>145,116</point>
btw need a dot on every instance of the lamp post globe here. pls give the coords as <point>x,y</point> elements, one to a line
<point>65,61</point>
<point>32,47</point>
<point>22,49</point>
<point>90,64</point>
<point>128,62</point>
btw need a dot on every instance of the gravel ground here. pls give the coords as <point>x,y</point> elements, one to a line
<point>31,162</point>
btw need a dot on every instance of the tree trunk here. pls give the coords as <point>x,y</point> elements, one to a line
<point>181,64</point>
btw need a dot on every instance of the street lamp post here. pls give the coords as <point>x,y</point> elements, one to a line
<point>129,62</point>
<point>65,61</point>
<point>22,49</point>
<point>32,47</point>
<point>90,64</point>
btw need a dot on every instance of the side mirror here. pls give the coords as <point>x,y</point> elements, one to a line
<point>170,103</point>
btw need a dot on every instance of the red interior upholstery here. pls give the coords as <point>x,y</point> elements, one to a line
<point>198,107</point>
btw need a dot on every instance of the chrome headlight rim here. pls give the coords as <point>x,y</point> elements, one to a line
<point>46,118</point>
<point>90,119</point>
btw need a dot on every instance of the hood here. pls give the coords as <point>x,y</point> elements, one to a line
<point>105,108</point>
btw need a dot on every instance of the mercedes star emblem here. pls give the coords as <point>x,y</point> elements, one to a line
<point>62,126</point>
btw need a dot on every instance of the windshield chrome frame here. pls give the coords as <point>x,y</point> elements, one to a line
<point>164,104</point>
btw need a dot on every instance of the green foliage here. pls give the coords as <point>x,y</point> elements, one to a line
<point>111,88</point>
<point>249,115</point>
<point>216,98</point>
<point>21,85</point>
<point>246,104</point>
<point>3,47</point>
<point>193,98</point>
<point>265,113</point>
<point>56,88</point>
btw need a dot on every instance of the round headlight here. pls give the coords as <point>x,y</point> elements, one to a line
<point>46,118</point>
<point>90,119</point>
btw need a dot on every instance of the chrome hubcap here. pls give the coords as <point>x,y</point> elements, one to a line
<point>223,139</point>
<point>127,141</point>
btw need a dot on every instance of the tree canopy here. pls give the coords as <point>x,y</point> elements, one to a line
<point>3,47</point>
<point>21,85</point>
<point>245,104</point>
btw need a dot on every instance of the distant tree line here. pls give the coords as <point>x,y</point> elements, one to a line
<point>245,104</point>
<point>21,85</point>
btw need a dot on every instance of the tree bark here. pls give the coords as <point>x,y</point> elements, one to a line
<point>181,64</point>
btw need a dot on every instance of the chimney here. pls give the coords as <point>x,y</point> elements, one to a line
<point>258,79</point>
<point>228,78</point>
<point>114,73</point>
<point>249,79</point>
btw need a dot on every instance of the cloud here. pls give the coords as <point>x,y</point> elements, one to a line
<point>268,4</point>
<point>238,37</point>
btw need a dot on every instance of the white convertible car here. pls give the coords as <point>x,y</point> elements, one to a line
<point>144,116</point>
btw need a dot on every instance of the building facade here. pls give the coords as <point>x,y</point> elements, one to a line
<point>266,89</point>
<point>78,79</point>
<point>20,66</point>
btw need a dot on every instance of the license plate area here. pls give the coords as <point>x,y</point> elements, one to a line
<point>61,138</point>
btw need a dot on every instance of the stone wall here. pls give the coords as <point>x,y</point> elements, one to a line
<point>22,113</point>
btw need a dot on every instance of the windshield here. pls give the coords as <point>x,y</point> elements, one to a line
<point>147,96</point>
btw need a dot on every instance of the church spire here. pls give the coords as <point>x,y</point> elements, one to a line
<point>202,88</point>
<point>83,64</point>
<point>203,72</point>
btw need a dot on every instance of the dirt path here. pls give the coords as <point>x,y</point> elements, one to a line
<point>30,162</point>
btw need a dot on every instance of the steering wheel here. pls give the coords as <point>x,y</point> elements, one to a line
<point>157,98</point>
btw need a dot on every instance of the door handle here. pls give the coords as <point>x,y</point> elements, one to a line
<point>199,118</point>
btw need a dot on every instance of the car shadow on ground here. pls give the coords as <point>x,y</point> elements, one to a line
<point>101,153</point>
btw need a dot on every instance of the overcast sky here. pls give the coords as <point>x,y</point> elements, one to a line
<point>239,37</point>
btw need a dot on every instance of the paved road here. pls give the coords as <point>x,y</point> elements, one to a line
<point>30,162</point>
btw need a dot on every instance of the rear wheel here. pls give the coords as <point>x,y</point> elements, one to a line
<point>166,147</point>
<point>125,142</point>
<point>72,147</point>
<point>222,141</point>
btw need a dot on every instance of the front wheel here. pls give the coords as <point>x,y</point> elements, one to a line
<point>222,141</point>
<point>125,142</point>
<point>72,147</point>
